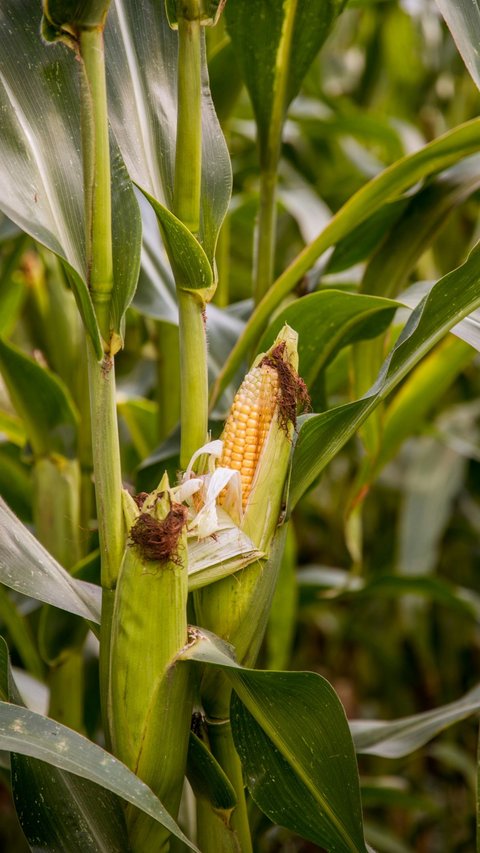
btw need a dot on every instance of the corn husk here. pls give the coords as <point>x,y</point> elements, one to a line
<point>150,695</point>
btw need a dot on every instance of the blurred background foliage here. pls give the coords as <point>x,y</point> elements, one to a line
<point>380,588</point>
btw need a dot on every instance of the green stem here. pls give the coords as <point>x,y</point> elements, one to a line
<point>96,172</point>
<point>188,165</point>
<point>188,155</point>
<point>269,157</point>
<point>106,465</point>
<point>67,684</point>
<point>193,376</point>
<point>266,231</point>
<point>87,493</point>
<point>98,221</point>
<point>214,834</point>
<point>108,494</point>
<point>223,749</point>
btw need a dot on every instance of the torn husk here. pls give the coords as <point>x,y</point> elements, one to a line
<point>237,607</point>
<point>150,697</point>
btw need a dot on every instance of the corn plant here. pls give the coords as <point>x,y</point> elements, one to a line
<point>145,567</point>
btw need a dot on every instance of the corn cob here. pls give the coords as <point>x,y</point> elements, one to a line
<point>248,423</point>
<point>236,608</point>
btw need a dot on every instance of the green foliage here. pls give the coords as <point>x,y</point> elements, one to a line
<point>352,133</point>
<point>273,68</point>
<point>285,726</point>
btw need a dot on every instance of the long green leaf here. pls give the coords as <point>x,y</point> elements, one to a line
<point>275,44</point>
<point>336,582</point>
<point>58,810</point>
<point>207,778</point>
<point>28,568</point>
<point>40,161</point>
<point>30,734</point>
<point>321,436</point>
<point>420,392</point>
<point>463,21</point>
<point>325,322</point>
<point>293,738</point>
<point>401,737</point>
<point>389,185</point>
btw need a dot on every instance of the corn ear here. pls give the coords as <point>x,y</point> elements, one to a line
<point>237,607</point>
<point>150,696</point>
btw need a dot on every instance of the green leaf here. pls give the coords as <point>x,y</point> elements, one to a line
<point>126,240</point>
<point>30,734</point>
<point>464,601</point>
<point>57,810</point>
<point>16,480</point>
<point>422,216</point>
<point>141,52</point>
<point>282,619</point>
<point>40,161</point>
<point>155,294</point>
<point>275,44</point>
<point>189,262</point>
<point>207,778</point>
<point>13,291</point>
<point>12,428</point>
<point>292,735</point>
<point>141,418</point>
<point>463,21</point>
<point>327,321</point>
<point>284,772</point>
<point>409,408</point>
<point>394,260</point>
<point>28,568</point>
<point>322,436</point>
<point>19,630</point>
<point>385,187</point>
<point>401,737</point>
<point>225,79</point>
<point>362,240</point>
<point>42,401</point>
<point>420,393</point>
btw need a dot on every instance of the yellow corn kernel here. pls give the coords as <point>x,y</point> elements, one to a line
<point>248,423</point>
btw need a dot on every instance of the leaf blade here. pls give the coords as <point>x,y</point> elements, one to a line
<point>283,706</point>
<point>398,738</point>
<point>28,568</point>
<point>454,296</point>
